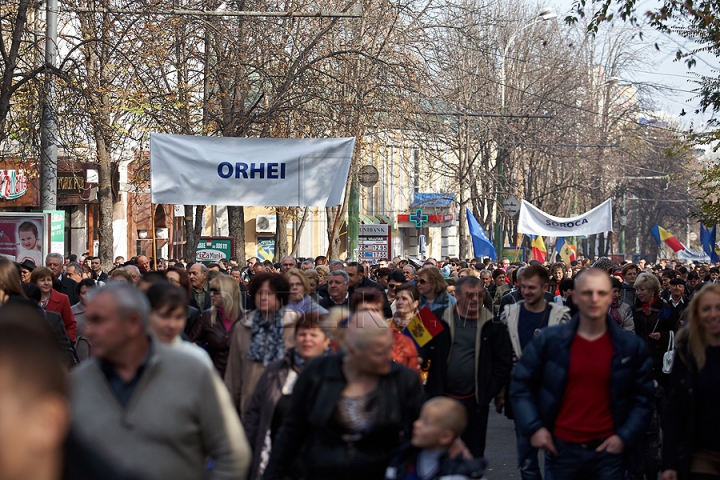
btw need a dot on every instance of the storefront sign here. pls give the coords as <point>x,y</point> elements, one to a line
<point>13,183</point>
<point>57,231</point>
<point>265,248</point>
<point>374,242</point>
<point>214,249</point>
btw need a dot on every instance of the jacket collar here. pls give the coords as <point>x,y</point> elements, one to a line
<point>570,330</point>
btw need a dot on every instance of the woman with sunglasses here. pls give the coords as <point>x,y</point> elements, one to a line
<point>433,291</point>
<point>216,324</point>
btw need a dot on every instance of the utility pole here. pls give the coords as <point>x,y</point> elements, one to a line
<point>49,128</point>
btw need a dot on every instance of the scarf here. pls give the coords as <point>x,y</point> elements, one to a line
<point>615,313</point>
<point>647,307</point>
<point>266,338</point>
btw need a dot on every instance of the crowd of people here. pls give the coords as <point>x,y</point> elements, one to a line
<point>313,369</point>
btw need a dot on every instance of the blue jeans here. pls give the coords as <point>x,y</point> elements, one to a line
<point>580,462</point>
<point>530,467</point>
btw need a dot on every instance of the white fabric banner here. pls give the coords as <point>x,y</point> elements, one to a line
<point>536,222</point>
<point>266,172</point>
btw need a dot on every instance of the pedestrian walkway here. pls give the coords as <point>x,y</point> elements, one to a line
<point>500,449</point>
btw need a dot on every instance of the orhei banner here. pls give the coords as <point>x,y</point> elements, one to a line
<point>273,172</point>
<point>536,222</point>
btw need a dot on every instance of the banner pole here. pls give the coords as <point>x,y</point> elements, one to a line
<point>154,240</point>
<point>334,229</point>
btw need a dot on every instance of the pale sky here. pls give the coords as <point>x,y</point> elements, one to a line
<point>666,71</point>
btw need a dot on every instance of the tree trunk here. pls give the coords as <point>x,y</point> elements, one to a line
<point>334,237</point>
<point>281,242</point>
<point>193,231</point>
<point>105,197</point>
<point>236,225</point>
<point>299,230</point>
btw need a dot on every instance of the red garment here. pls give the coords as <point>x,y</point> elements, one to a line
<point>59,303</point>
<point>404,351</point>
<point>585,412</point>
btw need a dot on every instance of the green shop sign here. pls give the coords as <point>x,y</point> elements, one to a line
<point>214,249</point>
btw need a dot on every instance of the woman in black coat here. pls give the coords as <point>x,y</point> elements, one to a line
<point>691,446</point>
<point>654,320</point>
<point>349,411</point>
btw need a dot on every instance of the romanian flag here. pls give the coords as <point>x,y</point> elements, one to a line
<point>424,327</point>
<point>661,235</point>
<point>538,248</point>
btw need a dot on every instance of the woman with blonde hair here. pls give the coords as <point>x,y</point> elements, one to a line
<point>654,320</point>
<point>216,324</point>
<point>299,299</point>
<point>433,291</point>
<point>691,445</point>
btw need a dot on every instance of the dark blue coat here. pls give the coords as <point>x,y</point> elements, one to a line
<point>539,379</point>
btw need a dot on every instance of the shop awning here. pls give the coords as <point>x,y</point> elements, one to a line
<point>432,199</point>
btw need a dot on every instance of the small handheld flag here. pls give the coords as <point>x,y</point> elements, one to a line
<point>423,327</point>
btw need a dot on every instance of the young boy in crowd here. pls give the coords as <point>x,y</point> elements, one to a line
<point>442,420</point>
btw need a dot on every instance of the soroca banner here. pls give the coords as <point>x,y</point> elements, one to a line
<point>273,172</point>
<point>536,222</point>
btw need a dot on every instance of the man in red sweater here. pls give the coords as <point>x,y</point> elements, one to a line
<point>583,391</point>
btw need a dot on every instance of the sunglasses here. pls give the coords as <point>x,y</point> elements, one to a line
<point>393,286</point>
<point>214,290</point>
<point>422,281</point>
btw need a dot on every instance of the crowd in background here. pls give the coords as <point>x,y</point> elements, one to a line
<point>305,368</point>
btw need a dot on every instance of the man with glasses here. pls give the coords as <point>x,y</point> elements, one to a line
<point>470,360</point>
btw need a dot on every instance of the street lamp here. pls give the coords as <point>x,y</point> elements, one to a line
<point>544,15</point>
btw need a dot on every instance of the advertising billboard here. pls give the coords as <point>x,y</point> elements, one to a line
<point>25,236</point>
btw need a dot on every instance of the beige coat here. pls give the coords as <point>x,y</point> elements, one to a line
<point>242,374</point>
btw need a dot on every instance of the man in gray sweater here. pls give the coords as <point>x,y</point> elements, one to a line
<point>153,410</point>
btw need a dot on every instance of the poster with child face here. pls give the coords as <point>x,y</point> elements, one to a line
<point>24,237</point>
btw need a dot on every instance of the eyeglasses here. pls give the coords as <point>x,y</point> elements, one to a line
<point>422,281</point>
<point>392,286</point>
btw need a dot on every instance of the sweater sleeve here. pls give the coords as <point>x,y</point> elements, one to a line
<point>222,433</point>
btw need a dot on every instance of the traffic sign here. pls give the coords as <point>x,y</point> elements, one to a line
<point>511,206</point>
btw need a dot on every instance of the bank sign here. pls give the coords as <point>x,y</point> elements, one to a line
<point>214,249</point>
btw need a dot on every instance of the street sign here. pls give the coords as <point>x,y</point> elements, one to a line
<point>368,176</point>
<point>511,206</point>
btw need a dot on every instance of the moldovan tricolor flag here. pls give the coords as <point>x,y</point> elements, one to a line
<point>661,235</point>
<point>424,327</point>
<point>538,248</point>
